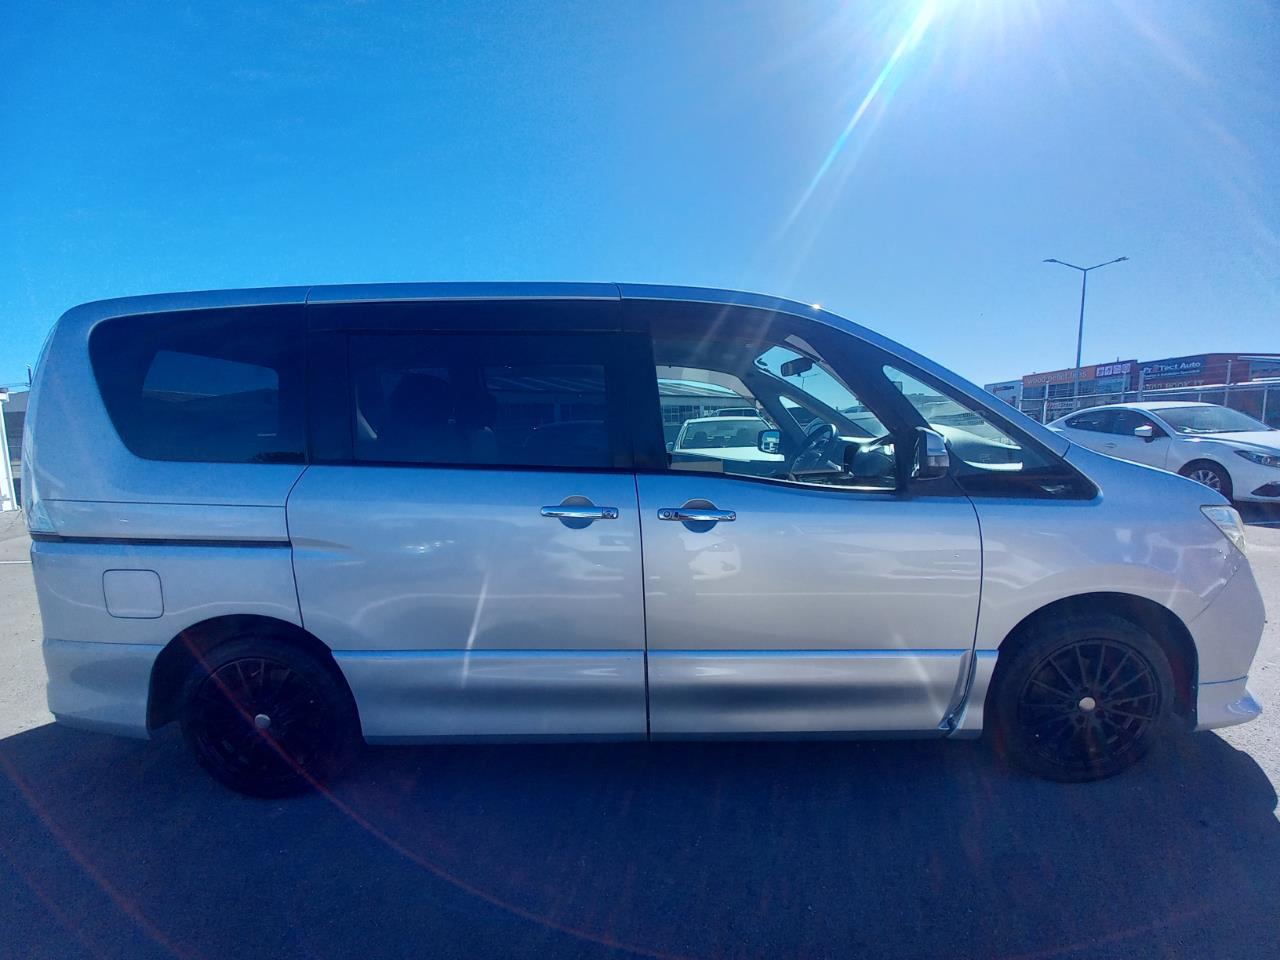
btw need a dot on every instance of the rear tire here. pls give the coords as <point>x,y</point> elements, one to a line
<point>1082,697</point>
<point>1209,474</point>
<point>267,719</point>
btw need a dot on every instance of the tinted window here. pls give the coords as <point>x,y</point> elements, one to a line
<point>1095,420</point>
<point>493,400</point>
<point>220,386</point>
<point>1126,421</point>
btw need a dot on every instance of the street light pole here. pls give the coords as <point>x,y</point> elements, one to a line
<point>1084,287</point>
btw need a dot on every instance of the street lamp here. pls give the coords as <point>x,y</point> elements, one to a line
<point>1084,284</point>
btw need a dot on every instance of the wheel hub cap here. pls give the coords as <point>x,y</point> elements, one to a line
<point>262,721</point>
<point>1087,704</point>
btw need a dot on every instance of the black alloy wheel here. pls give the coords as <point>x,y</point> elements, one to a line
<point>267,722</point>
<point>1081,698</point>
<point>1088,702</point>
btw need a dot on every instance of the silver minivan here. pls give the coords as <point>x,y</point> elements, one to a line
<point>295,520</point>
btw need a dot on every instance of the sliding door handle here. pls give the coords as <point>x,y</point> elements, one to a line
<point>575,512</point>
<point>696,515</point>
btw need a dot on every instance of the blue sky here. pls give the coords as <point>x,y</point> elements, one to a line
<point>168,146</point>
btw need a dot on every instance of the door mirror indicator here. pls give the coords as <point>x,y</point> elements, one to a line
<point>1146,431</point>
<point>769,441</point>
<point>932,458</point>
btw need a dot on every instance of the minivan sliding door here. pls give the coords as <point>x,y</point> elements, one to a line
<point>467,537</point>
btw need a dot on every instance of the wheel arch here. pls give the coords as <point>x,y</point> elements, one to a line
<point>196,641</point>
<point>1165,627</point>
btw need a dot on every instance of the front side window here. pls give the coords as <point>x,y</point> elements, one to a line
<point>484,400</point>
<point>1096,421</point>
<point>1127,421</point>
<point>221,386</point>
<point>758,399</point>
<point>986,458</point>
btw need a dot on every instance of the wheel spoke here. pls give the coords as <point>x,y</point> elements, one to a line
<point>1112,711</point>
<point>1052,661</point>
<point>1144,675</point>
<point>1080,664</point>
<point>1064,694</point>
<point>1116,672</point>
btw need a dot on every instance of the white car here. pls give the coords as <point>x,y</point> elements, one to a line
<point>1226,450</point>
<point>725,438</point>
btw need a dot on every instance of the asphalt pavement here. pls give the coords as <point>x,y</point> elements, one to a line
<point>114,848</point>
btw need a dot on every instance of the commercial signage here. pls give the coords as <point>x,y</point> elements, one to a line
<point>1097,371</point>
<point>1192,366</point>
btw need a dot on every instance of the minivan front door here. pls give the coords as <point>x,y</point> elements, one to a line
<point>471,548</point>
<point>805,610</point>
<point>781,603</point>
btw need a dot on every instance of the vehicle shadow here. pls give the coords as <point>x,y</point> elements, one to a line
<point>115,848</point>
<point>1260,514</point>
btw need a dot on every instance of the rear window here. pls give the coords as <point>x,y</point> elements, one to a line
<point>221,386</point>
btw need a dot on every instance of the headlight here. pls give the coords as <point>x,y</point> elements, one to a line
<point>1266,459</point>
<point>1228,521</point>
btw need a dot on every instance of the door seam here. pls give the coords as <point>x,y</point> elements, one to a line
<point>293,557</point>
<point>644,609</point>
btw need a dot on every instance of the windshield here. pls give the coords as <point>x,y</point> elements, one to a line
<point>721,432</point>
<point>1209,419</point>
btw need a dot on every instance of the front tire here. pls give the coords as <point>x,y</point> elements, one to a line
<point>1082,698</point>
<point>267,719</point>
<point>1209,474</point>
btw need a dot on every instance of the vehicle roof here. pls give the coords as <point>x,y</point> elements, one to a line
<point>1142,405</point>
<point>712,419</point>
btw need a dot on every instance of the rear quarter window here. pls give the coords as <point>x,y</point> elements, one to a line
<point>221,386</point>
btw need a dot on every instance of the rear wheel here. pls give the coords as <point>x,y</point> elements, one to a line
<point>1082,698</point>
<point>267,719</point>
<point>1210,474</point>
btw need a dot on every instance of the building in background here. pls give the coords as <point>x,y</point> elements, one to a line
<point>14,407</point>
<point>1249,382</point>
<point>1010,391</point>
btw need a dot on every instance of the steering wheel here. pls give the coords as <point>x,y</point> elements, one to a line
<point>818,436</point>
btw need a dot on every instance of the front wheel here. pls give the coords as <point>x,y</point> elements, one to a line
<point>1209,474</point>
<point>1082,698</point>
<point>267,719</point>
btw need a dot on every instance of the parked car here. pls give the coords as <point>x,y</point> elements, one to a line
<point>1224,449</point>
<point>724,438</point>
<point>295,520</point>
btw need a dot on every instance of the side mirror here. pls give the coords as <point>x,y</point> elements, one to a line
<point>932,459</point>
<point>671,446</point>
<point>769,441</point>
<point>1147,432</point>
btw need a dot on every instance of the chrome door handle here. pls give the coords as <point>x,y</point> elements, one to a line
<point>574,512</point>
<point>1109,445</point>
<point>696,515</point>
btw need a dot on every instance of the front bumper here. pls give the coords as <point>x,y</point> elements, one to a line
<point>100,686</point>
<point>1224,704</point>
